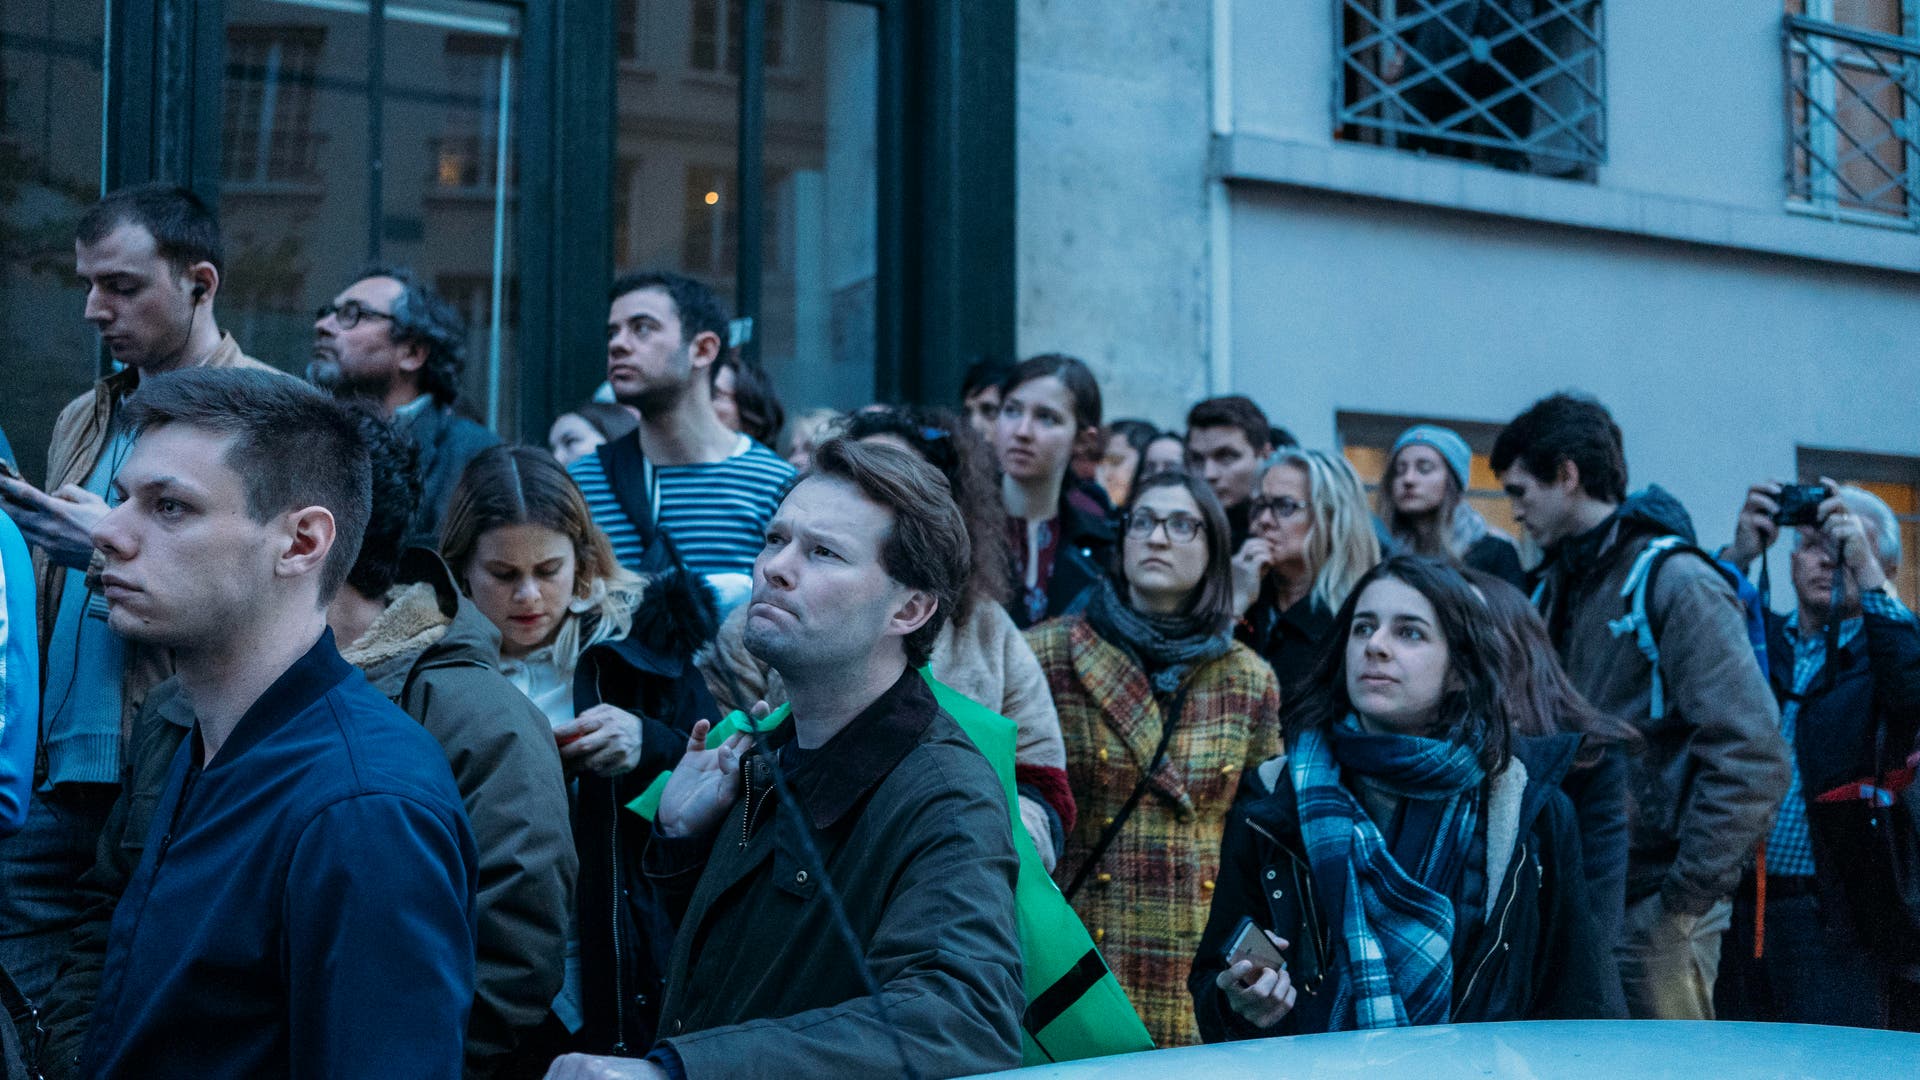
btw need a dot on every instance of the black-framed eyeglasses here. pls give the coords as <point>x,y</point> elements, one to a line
<point>1281,508</point>
<point>1181,528</point>
<point>349,314</point>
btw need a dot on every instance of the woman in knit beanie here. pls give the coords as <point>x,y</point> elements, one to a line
<point>1422,500</point>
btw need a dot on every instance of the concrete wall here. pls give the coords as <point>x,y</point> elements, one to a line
<point>1112,204</point>
<point>1716,364</point>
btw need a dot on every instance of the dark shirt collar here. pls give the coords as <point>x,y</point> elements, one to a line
<point>837,776</point>
<point>309,679</point>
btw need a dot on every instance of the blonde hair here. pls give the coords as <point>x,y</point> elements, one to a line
<point>519,485</point>
<point>1341,545</point>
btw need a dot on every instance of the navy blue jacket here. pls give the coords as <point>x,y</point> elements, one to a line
<point>304,907</point>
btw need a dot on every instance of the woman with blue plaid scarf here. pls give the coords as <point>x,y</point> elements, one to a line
<point>1416,857</point>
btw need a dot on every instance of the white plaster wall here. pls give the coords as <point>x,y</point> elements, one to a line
<point>1112,201</point>
<point>1715,364</point>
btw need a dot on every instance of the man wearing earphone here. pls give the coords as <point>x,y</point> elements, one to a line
<point>150,259</point>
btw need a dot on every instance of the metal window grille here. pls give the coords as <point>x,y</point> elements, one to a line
<point>1517,84</point>
<point>1853,107</point>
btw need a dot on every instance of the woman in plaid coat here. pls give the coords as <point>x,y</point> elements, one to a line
<point>1153,644</point>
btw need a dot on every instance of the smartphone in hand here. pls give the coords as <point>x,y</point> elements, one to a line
<point>1250,942</point>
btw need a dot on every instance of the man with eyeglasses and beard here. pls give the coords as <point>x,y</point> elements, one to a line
<point>390,340</point>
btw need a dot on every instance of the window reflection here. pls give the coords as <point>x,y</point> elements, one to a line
<point>677,197</point>
<point>50,106</point>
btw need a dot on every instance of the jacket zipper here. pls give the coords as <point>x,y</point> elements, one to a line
<point>746,819</point>
<point>1500,931</point>
<point>619,976</point>
<point>613,852</point>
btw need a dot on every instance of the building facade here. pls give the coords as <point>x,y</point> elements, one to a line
<point>1362,213</point>
<point>804,157</point>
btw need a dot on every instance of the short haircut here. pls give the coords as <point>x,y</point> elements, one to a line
<point>1562,428</point>
<point>422,316</point>
<point>927,548</point>
<point>1871,508</point>
<point>1213,597</point>
<point>1072,372</point>
<point>949,444</point>
<point>184,229</point>
<point>698,308</point>
<point>1138,433</point>
<point>984,373</point>
<point>395,464</point>
<point>761,414</point>
<point>1234,411</point>
<point>293,447</point>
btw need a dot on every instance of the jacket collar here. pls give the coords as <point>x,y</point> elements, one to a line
<point>426,621</point>
<point>837,776</point>
<point>310,678</point>
<point>1127,705</point>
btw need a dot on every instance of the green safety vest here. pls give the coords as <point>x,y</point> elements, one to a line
<point>1075,1007</point>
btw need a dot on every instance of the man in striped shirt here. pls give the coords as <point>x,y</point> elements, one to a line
<point>712,489</point>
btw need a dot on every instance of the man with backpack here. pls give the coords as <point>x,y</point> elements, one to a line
<point>1653,631</point>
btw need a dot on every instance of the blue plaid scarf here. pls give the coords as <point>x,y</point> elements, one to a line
<point>1397,927</point>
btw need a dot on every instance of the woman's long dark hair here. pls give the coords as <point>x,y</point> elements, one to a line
<point>949,444</point>
<point>1473,708</point>
<point>1541,699</point>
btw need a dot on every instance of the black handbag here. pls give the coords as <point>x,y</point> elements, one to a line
<point>1868,836</point>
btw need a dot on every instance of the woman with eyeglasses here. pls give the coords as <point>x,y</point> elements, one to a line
<point>1312,539</point>
<point>979,652</point>
<point>1414,861</point>
<point>1060,540</point>
<point>1162,711</point>
<point>1423,502</point>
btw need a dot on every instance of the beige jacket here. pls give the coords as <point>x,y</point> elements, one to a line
<point>79,437</point>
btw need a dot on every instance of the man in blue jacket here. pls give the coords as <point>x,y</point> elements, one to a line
<point>304,905</point>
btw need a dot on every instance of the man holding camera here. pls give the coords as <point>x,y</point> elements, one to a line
<point>1848,682</point>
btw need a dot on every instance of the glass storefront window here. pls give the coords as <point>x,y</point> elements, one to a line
<point>304,202</point>
<point>51,88</point>
<point>820,249</point>
<point>677,192</point>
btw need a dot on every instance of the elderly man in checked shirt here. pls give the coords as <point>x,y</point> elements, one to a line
<point>1848,718</point>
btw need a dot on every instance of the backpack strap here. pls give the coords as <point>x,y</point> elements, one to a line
<point>1637,622</point>
<point>630,476</point>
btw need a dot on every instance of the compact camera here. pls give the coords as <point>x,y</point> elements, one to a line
<point>1800,504</point>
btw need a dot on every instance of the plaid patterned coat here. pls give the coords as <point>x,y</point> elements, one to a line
<point>1147,902</point>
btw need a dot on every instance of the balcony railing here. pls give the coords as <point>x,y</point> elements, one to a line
<point>1517,84</point>
<point>1853,108</point>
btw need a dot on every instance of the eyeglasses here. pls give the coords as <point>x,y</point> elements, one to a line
<point>1181,528</point>
<point>1281,508</point>
<point>349,314</point>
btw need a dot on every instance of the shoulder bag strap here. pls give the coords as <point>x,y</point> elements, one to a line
<point>1169,721</point>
